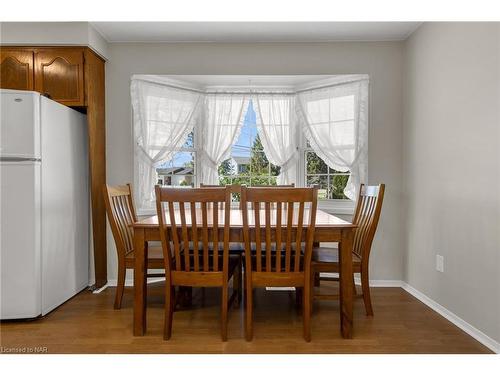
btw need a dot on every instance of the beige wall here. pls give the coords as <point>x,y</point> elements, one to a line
<point>452,168</point>
<point>382,61</point>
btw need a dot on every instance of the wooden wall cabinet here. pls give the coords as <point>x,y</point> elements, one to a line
<point>59,75</point>
<point>73,76</point>
<point>16,69</point>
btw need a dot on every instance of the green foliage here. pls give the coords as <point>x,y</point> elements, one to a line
<point>337,185</point>
<point>256,174</point>
<point>226,168</point>
<point>259,164</point>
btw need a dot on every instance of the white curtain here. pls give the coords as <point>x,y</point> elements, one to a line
<point>163,118</point>
<point>277,127</point>
<point>223,117</point>
<point>335,123</point>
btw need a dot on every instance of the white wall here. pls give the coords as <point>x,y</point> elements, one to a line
<point>452,168</point>
<point>382,61</point>
<point>53,33</point>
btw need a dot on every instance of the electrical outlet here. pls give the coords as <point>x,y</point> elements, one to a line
<point>439,263</point>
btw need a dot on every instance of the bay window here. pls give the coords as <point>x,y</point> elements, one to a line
<point>313,136</point>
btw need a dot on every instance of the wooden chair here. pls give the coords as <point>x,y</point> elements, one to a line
<point>285,259</point>
<point>193,217</point>
<point>366,216</point>
<point>121,214</point>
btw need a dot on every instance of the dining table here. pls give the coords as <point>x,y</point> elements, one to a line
<point>328,228</point>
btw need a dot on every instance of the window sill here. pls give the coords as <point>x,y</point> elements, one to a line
<point>334,207</point>
<point>337,206</point>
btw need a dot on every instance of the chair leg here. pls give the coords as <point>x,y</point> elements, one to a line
<point>120,286</point>
<point>311,289</point>
<point>365,286</point>
<point>224,313</point>
<point>306,310</point>
<point>249,312</point>
<point>169,311</point>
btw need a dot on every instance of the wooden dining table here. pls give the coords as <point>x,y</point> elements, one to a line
<point>328,228</point>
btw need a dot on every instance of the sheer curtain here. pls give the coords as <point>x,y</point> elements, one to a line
<point>163,118</point>
<point>277,127</point>
<point>223,118</point>
<point>335,123</point>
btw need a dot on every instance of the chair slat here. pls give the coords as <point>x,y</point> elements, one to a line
<point>298,240</point>
<point>204,221</point>
<point>258,242</point>
<point>185,236</point>
<point>278,236</point>
<point>215,232</point>
<point>289,226</point>
<point>121,219</point>
<point>268,236</point>
<point>194,231</point>
<point>175,237</point>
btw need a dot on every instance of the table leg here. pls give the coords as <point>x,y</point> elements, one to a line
<point>140,290</point>
<point>346,283</point>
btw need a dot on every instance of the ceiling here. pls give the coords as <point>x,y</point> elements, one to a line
<point>254,31</point>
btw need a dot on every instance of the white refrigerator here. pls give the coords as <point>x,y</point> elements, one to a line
<point>44,204</point>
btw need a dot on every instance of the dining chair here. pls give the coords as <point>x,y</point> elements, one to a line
<point>121,214</point>
<point>283,238</point>
<point>366,217</point>
<point>193,217</point>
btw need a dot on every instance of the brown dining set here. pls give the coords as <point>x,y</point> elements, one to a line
<point>272,238</point>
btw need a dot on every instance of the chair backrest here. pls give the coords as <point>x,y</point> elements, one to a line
<point>188,217</point>
<point>121,214</point>
<point>236,188</point>
<point>280,226</point>
<point>366,217</point>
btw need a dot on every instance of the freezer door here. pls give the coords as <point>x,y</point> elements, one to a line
<point>20,279</point>
<point>20,124</point>
<point>65,204</point>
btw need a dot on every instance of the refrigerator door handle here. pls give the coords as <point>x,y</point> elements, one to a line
<point>17,158</point>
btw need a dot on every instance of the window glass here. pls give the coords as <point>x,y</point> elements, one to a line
<point>248,164</point>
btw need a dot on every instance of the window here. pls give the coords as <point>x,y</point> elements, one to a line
<point>334,118</point>
<point>181,169</point>
<point>248,164</point>
<point>331,183</point>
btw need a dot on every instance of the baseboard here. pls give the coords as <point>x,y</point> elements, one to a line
<point>373,283</point>
<point>381,283</point>
<point>459,322</point>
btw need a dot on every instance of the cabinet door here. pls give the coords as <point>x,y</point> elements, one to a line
<point>16,69</point>
<point>59,75</point>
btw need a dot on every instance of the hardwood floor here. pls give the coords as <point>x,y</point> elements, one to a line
<point>89,324</point>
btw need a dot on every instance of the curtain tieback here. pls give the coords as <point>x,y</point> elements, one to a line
<point>212,163</point>
<point>146,155</point>
<point>287,163</point>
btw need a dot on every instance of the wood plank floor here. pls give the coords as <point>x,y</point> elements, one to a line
<point>88,324</point>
